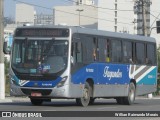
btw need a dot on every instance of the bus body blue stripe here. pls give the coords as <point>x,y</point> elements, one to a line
<point>102,73</point>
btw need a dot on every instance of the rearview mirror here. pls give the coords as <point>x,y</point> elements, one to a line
<point>6,48</point>
<point>7,44</point>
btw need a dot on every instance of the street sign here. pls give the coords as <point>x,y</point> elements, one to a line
<point>158,26</point>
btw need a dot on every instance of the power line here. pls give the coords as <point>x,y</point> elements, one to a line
<point>70,12</point>
<point>71,1</point>
<point>155,18</point>
<point>100,7</point>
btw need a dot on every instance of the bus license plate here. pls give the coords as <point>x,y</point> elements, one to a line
<point>35,94</point>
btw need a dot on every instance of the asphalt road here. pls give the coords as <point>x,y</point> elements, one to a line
<point>100,105</point>
<point>141,104</point>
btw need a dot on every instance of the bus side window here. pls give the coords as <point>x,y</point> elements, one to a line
<point>108,59</point>
<point>150,55</point>
<point>116,55</point>
<point>95,49</point>
<point>78,52</point>
<point>103,50</point>
<point>127,52</point>
<point>140,53</point>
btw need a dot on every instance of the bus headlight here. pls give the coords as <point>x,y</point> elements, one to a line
<point>61,83</point>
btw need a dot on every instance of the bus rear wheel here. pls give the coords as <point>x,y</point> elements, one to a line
<point>120,100</point>
<point>36,102</point>
<point>85,99</point>
<point>131,94</point>
<point>92,100</point>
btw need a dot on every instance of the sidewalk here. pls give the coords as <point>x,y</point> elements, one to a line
<point>146,97</point>
<point>14,99</point>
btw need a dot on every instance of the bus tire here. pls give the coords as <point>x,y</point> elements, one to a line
<point>120,100</point>
<point>85,99</point>
<point>36,102</point>
<point>91,102</point>
<point>131,94</point>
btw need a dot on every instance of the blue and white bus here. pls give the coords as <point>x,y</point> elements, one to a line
<point>50,62</point>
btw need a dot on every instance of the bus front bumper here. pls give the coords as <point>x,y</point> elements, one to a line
<point>56,92</point>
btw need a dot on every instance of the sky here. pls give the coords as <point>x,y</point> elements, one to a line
<point>9,5</point>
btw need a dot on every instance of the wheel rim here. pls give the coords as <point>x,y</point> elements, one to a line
<point>132,93</point>
<point>86,94</point>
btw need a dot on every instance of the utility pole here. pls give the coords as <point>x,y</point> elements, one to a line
<point>142,8</point>
<point>144,4</point>
<point>144,18</point>
<point>2,77</point>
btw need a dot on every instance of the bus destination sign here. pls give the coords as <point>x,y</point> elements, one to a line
<point>42,32</point>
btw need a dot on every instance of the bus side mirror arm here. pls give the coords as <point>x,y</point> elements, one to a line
<point>72,60</point>
<point>131,61</point>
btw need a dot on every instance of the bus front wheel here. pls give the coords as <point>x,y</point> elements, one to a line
<point>36,101</point>
<point>85,99</point>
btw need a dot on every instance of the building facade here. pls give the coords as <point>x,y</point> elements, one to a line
<point>24,14</point>
<point>76,15</point>
<point>86,2</point>
<point>126,16</point>
<point>154,16</point>
<point>117,16</point>
<point>43,19</point>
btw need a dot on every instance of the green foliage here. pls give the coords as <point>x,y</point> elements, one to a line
<point>7,85</point>
<point>158,79</point>
<point>158,58</point>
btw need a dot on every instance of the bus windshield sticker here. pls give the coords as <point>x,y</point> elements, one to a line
<point>32,70</point>
<point>46,67</point>
<point>18,60</point>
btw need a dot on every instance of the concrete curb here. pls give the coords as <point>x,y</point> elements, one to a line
<point>147,98</point>
<point>6,100</point>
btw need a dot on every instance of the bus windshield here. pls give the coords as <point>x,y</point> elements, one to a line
<point>39,56</point>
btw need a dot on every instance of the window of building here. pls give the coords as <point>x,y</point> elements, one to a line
<point>115,6</point>
<point>115,21</point>
<point>115,28</point>
<point>115,13</point>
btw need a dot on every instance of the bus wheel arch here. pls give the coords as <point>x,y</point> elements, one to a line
<point>91,83</point>
<point>134,81</point>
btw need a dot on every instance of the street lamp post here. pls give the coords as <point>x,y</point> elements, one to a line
<point>79,10</point>
<point>153,28</point>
